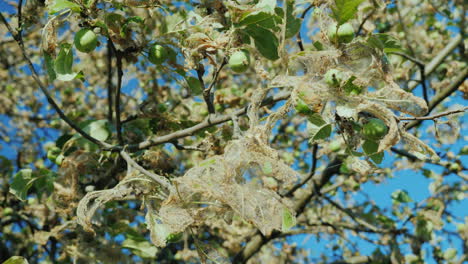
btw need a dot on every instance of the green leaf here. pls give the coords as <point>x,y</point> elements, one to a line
<point>194,85</point>
<point>22,182</point>
<point>318,45</point>
<point>350,88</point>
<point>175,237</point>
<point>293,24</point>
<point>370,147</point>
<point>41,181</point>
<point>385,42</point>
<point>44,182</point>
<point>256,18</point>
<point>16,260</point>
<point>143,249</point>
<point>378,157</point>
<point>5,165</point>
<point>128,21</point>
<point>63,63</point>
<point>302,108</point>
<point>316,119</point>
<point>59,5</point>
<point>265,41</point>
<point>463,151</point>
<point>50,67</point>
<point>323,132</point>
<point>401,196</point>
<point>289,220</point>
<point>345,10</point>
<point>424,229</point>
<point>99,130</point>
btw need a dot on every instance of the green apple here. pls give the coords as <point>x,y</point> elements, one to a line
<point>333,77</point>
<point>374,129</point>
<point>345,33</point>
<point>157,54</point>
<point>53,153</point>
<point>85,40</point>
<point>239,61</point>
<point>7,211</point>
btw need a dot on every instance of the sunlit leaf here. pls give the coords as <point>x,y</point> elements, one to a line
<point>22,182</point>
<point>50,67</point>
<point>316,119</point>
<point>143,249</point>
<point>323,132</point>
<point>265,41</point>
<point>59,5</point>
<point>289,220</point>
<point>401,196</point>
<point>345,10</point>
<point>16,260</point>
<point>63,64</point>
<point>293,24</point>
<point>194,85</point>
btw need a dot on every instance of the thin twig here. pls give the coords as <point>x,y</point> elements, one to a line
<point>109,81</point>
<point>157,178</point>
<point>405,31</point>
<point>299,38</point>
<point>358,32</point>
<point>351,215</point>
<point>408,57</point>
<point>43,88</point>
<point>20,19</point>
<point>422,70</point>
<point>439,115</point>
<point>181,147</point>
<point>118,124</point>
<point>439,97</point>
<point>207,91</point>
<point>311,173</point>
<point>437,60</point>
<point>414,158</point>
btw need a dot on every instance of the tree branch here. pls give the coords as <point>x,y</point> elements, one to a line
<point>157,178</point>
<point>311,173</point>
<point>118,123</point>
<point>432,117</point>
<point>299,38</point>
<point>439,97</point>
<point>437,60</point>
<point>210,121</point>
<point>43,88</point>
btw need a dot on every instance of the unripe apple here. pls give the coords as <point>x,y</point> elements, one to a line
<point>239,61</point>
<point>157,54</point>
<point>85,40</point>
<point>345,33</point>
<point>374,129</point>
<point>53,153</point>
<point>333,77</point>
